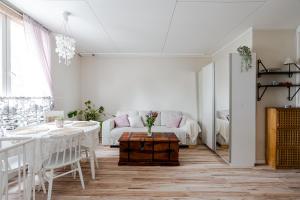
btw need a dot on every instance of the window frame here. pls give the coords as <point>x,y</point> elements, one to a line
<point>6,65</point>
<point>5,45</point>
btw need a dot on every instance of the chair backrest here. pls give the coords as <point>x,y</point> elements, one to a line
<point>61,150</point>
<point>16,159</point>
<point>50,116</point>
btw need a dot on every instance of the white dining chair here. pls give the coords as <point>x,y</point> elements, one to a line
<point>50,116</point>
<point>61,151</point>
<point>16,163</point>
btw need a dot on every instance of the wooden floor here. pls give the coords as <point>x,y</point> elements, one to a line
<point>202,175</point>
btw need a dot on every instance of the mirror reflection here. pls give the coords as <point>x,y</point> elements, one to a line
<point>222,114</point>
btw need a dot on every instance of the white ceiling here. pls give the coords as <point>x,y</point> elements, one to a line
<point>176,27</point>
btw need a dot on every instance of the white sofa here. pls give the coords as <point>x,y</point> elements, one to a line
<point>187,132</point>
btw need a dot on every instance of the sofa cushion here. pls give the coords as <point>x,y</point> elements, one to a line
<point>167,116</point>
<point>143,115</point>
<point>122,121</point>
<point>136,121</point>
<point>129,113</point>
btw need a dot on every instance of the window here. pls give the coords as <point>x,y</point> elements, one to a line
<point>21,74</point>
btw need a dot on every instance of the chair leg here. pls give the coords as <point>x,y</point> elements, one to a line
<point>86,154</point>
<point>33,188</point>
<point>92,165</point>
<point>42,182</point>
<point>95,158</point>
<point>50,185</point>
<point>1,186</point>
<point>6,187</point>
<point>80,175</point>
<point>74,173</point>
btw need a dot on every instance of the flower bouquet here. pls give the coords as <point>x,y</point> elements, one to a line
<point>150,119</point>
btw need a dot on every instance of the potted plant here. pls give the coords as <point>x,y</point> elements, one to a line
<point>245,53</point>
<point>90,112</point>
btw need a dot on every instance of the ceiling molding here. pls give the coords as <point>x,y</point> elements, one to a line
<point>220,1</point>
<point>162,55</point>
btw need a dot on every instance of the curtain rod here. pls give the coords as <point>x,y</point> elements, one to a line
<point>16,11</point>
<point>9,7</point>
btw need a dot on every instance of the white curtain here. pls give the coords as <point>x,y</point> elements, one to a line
<point>38,39</point>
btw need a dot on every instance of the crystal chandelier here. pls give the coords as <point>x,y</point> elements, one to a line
<point>65,45</point>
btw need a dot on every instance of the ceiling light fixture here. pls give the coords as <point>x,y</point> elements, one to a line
<point>65,45</point>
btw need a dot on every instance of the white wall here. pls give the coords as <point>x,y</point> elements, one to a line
<point>273,47</point>
<point>141,83</point>
<point>66,82</point>
<point>221,61</point>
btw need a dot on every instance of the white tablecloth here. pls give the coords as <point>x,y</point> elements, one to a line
<point>42,131</point>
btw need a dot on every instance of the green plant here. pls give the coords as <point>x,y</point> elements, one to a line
<point>245,53</point>
<point>150,119</point>
<point>90,112</point>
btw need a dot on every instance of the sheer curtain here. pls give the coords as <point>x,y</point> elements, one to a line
<point>38,39</point>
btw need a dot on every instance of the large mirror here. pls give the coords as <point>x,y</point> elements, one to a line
<point>222,114</point>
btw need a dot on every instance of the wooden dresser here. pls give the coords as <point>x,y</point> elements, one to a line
<point>283,138</point>
<point>139,149</point>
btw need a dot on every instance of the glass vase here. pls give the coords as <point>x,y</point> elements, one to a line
<point>149,133</point>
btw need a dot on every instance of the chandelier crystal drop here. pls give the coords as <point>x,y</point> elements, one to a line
<point>65,45</point>
<point>65,48</point>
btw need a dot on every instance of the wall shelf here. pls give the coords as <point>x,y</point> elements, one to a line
<point>265,71</point>
<point>265,87</point>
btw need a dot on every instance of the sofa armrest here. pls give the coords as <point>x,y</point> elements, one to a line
<point>107,126</point>
<point>192,128</point>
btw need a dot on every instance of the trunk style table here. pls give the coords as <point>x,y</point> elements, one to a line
<point>139,149</point>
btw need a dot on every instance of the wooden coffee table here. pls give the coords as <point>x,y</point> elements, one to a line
<point>139,149</point>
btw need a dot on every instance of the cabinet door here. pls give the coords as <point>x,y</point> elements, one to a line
<point>208,102</point>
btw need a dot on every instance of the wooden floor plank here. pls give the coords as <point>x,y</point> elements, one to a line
<point>202,175</point>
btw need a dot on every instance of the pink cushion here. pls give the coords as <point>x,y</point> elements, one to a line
<point>122,121</point>
<point>173,122</point>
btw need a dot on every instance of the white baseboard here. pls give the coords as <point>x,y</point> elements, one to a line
<point>260,162</point>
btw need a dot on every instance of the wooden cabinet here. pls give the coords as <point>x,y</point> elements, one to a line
<point>138,149</point>
<point>283,137</point>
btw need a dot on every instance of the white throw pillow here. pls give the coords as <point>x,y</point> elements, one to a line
<point>167,116</point>
<point>136,121</point>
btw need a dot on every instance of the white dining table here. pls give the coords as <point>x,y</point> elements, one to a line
<point>89,129</point>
